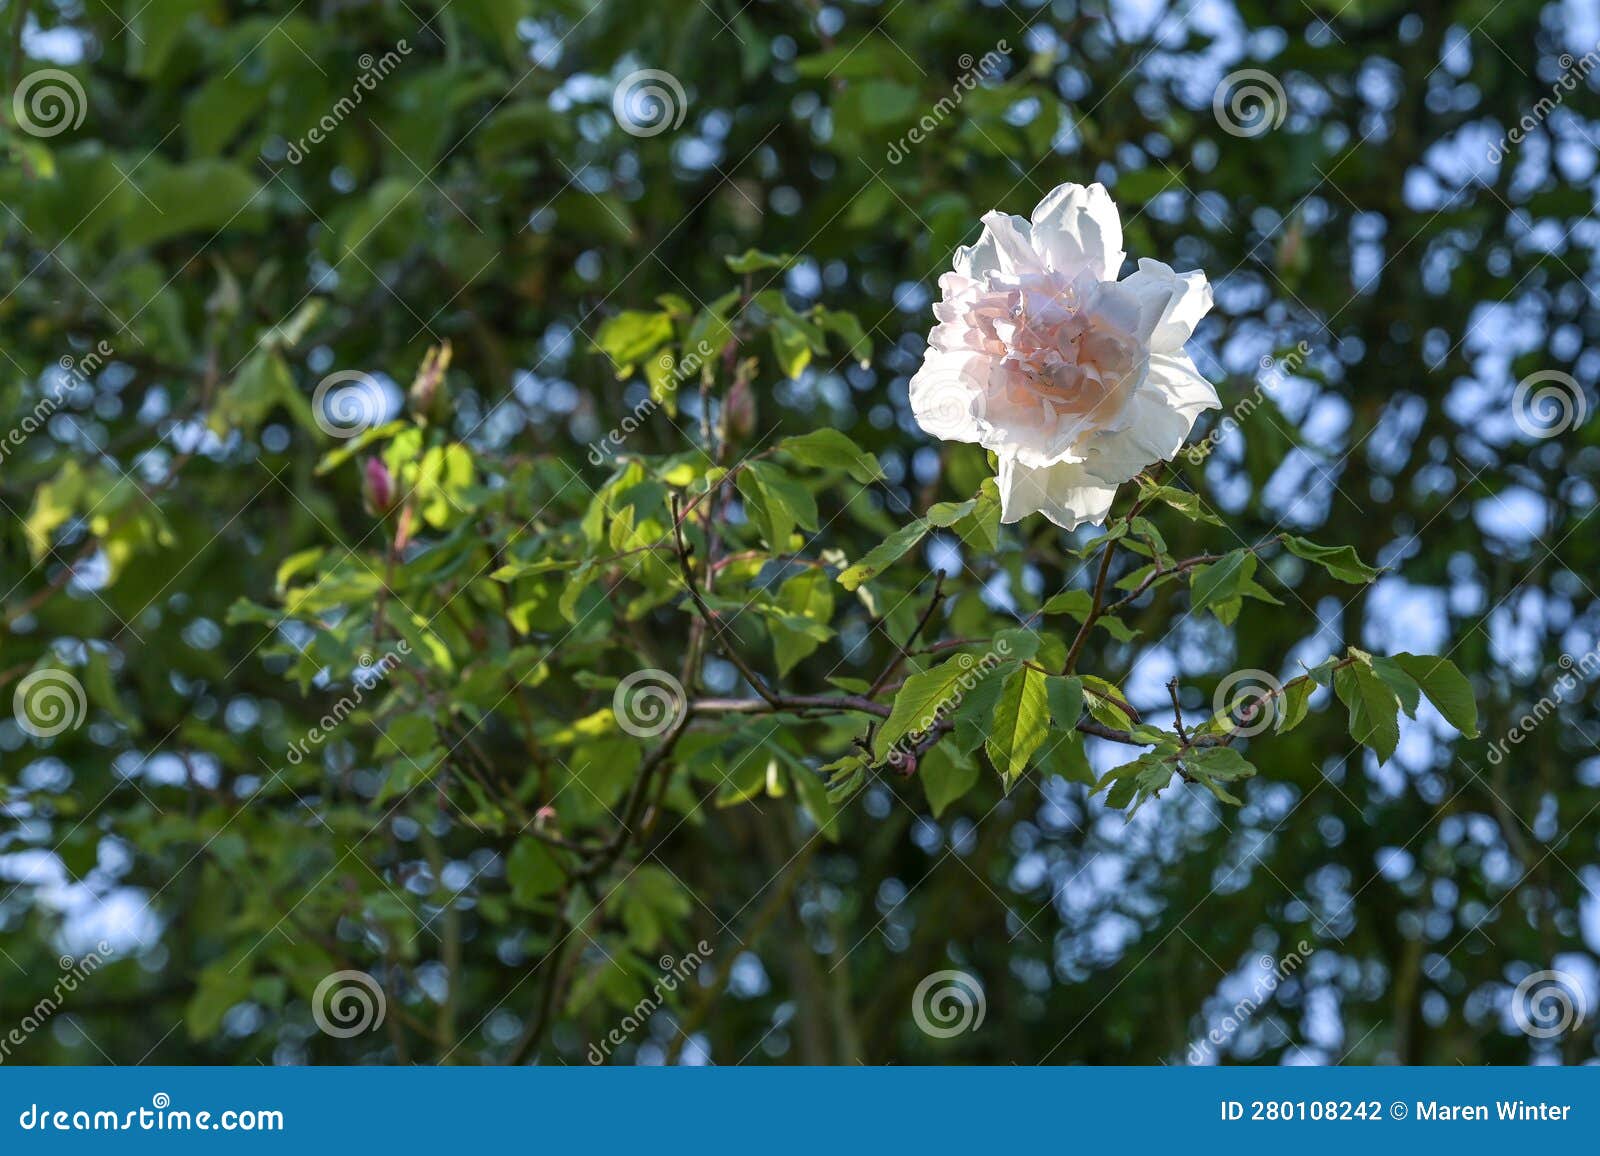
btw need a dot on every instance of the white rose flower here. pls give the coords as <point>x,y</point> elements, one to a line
<point>1077,381</point>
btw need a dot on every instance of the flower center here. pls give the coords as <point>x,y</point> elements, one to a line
<point>1073,363</point>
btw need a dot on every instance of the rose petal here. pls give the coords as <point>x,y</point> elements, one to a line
<point>1003,248</point>
<point>1077,229</point>
<point>947,394</point>
<point>1159,423</point>
<point>1063,493</point>
<point>1186,388</point>
<point>1184,299</point>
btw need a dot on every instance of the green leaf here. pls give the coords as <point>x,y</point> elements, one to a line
<point>1446,687</point>
<point>754,260</point>
<point>1404,686</point>
<point>807,596</point>
<point>1341,562</point>
<point>1219,587</point>
<point>777,503</point>
<point>922,700</point>
<point>1021,721</point>
<point>790,347</point>
<point>884,554</point>
<point>1184,501</point>
<point>976,711</point>
<point>1065,696</point>
<point>1294,702</point>
<point>1374,708</point>
<point>848,329</point>
<point>533,872</point>
<point>1098,697</point>
<point>1077,603</point>
<point>830,449</point>
<point>946,775</point>
<point>201,196</point>
<point>1212,766</point>
<point>1138,781</point>
<point>631,336</point>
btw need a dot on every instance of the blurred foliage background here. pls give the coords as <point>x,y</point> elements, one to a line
<point>1389,261</point>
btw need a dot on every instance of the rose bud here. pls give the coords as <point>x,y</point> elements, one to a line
<point>377,490</point>
<point>429,398</point>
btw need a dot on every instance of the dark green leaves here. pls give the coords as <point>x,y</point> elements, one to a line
<point>1222,586</point>
<point>946,775</point>
<point>1373,705</point>
<point>1214,765</point>
<point>1376,689</point>
<point>1341,562</point>
<point>776,503</point>
<point>1446,687</point>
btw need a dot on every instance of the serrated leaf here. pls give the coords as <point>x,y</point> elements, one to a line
<point>1021,722</point>
<point>923,700</point>
<point>1374,708</point>
<point>1213,766</point>
<point>1446,687</point>
<point>1185,502</point>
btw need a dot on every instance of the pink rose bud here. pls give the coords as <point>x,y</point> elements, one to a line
<point>378,491</point>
